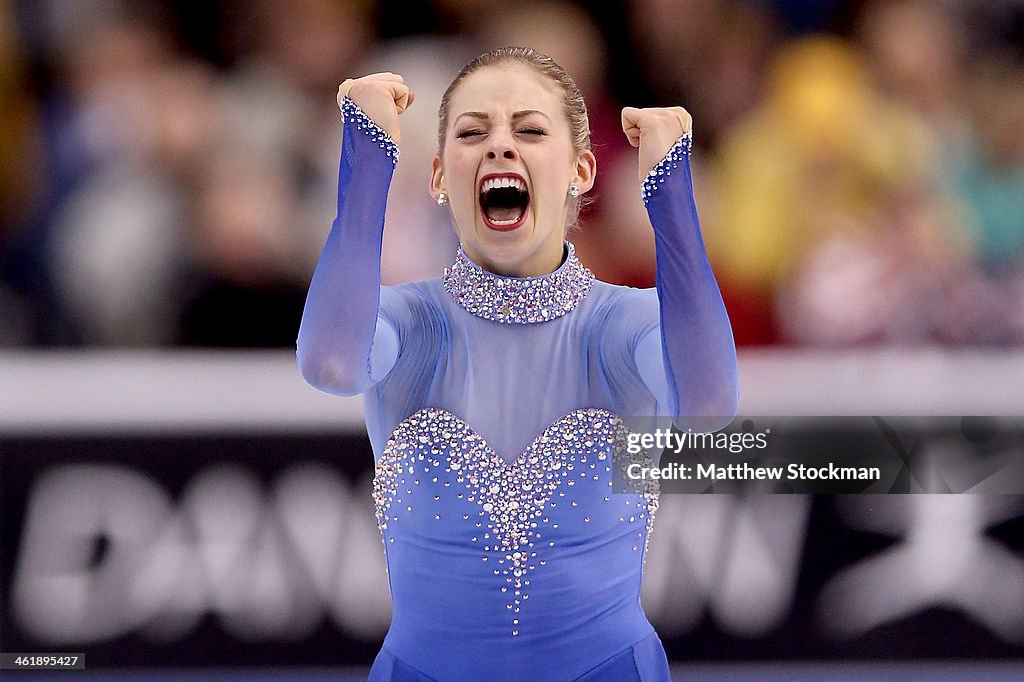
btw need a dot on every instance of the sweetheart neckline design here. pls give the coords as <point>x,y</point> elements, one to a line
<point>543,437</point>
<point>512,498</point>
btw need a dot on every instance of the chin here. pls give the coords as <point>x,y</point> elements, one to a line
<point>504,247</point>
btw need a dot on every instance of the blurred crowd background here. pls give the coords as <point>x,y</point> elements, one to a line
<point>168,168</point>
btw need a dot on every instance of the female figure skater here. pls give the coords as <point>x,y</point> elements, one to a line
<point>492,392</point>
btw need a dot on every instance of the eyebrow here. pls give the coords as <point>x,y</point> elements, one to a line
<point>515,117</point>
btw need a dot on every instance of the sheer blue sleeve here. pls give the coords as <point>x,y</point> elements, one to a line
<point>343,346</point>
<point>689,360</point>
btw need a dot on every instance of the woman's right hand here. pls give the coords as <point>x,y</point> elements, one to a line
<point>381,96</point>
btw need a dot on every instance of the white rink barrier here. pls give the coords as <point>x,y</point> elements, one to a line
<point>102,391</point>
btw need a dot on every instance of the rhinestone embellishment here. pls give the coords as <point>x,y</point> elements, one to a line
<point>518,300</point>
<point>350,111</point>
<point>657,175</point>
<point>515,503</point>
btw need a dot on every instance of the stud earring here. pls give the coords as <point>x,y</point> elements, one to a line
<point>574,190</point>
<point>442,199</point>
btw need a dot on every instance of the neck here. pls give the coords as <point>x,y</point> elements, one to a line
<point>539,264</point>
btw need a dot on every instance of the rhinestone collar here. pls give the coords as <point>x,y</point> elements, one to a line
<point>518,300</point>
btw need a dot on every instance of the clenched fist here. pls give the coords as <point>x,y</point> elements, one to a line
<point>654,131</point>
<point>381,96</point>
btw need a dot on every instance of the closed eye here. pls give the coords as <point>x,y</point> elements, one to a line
<point>472,132</point>
<point>532,131</point>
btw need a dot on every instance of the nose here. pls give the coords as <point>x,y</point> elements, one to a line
<point>501,146</point>
<point>503,151</point>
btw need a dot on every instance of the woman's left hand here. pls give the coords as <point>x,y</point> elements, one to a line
<point>654,131</point>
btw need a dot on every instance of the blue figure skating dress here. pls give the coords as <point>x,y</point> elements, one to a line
<point>493,406</point>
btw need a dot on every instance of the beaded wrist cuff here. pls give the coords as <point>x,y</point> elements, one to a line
<point>665,167</point>
<point>350,111</point>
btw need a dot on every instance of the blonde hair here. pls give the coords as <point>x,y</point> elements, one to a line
<point>572,98</point>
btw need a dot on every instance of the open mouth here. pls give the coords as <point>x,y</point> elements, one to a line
<point>504,201</point>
